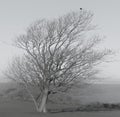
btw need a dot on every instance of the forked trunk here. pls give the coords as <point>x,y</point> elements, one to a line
<point>43,103</point>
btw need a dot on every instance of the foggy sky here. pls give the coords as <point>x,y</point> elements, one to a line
<point>17,15</point>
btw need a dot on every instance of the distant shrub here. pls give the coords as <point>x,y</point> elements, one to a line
<point>90,107</point>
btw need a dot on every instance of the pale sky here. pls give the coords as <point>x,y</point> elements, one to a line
<point>17,15</point>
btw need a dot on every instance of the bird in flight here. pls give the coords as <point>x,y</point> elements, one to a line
<point>80,8</point>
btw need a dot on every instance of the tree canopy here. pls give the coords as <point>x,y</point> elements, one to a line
<point>58,55</point>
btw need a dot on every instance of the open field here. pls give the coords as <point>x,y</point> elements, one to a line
<point>26,109</point>
<point>76,114</point>
<point>95,93</point>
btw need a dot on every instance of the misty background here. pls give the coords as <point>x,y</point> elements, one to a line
<point>17,15</point>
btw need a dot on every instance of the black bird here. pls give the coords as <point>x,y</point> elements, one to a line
<point>80,8</point>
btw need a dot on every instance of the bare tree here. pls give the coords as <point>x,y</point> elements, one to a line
<point>57,56</point>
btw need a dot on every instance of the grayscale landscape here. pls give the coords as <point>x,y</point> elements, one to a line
<point>59,58</point>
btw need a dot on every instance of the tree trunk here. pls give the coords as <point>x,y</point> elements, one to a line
<point>43,103</point>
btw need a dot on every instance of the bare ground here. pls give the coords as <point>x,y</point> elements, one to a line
<point>66,114</point>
